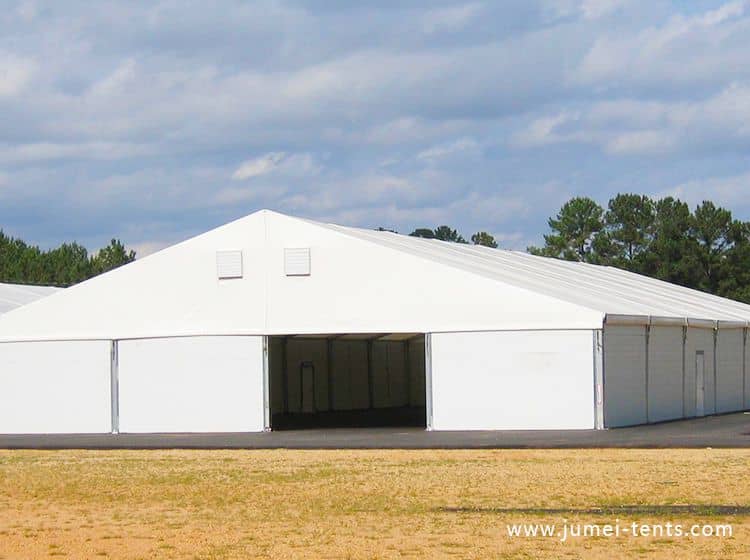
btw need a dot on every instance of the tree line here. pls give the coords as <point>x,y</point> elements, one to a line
<point>63,266</point>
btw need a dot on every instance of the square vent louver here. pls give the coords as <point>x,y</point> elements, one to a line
<point>228,264</point>
<point>297,262</point>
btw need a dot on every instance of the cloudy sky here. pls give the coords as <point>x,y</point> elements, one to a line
<point>154,121</point>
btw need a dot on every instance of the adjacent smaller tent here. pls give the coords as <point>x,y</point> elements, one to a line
<point>16,295</point>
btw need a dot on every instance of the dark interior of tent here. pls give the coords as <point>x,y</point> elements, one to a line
<point>347,380</point>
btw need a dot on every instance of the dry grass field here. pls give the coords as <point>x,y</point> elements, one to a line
<point>363,504</point>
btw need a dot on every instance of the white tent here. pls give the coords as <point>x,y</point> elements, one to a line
<point>271,317</point>
<point>16,295</point>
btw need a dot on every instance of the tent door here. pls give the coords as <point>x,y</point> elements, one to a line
<point>700,383</point>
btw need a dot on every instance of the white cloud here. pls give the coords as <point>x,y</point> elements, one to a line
<point>451,18</point>
<point>695,49</point>
<point>633,127</point>
<point>278,163</point>
<point>729,191</point>
<point>410,129</point>
<point>649,142</point>
<point>594,9</point>
<point>256,167</point>
<point>462,146</point>
<point>15,73</point>
<point>146,248</point>
<point>49,151</point>
<point>722,13</point>
<point>240,195</point>
<point>27,10</point>
<point>114,82</point>
<point>544,130</point>
<point>588,9</point>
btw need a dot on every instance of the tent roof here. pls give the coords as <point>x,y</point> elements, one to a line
<point>362,281</point>
<point>16,295</point>
<point>617,293</point>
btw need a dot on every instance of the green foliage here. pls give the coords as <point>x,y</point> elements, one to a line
<point>629,226</point>
<point>426,233</point>
<point>65,265</point>
<point>484,238</point>
<point>672,254</point>
<point>574,231</point>
<point>443,233</point>
<point>706,249</point>
<point>112,256</point>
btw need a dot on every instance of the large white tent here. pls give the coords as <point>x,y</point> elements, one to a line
<point>272,318</point>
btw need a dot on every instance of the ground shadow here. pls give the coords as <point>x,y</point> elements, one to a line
<point>641,509</point>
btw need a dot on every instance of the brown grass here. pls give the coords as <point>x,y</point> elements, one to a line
<point>362,504</point>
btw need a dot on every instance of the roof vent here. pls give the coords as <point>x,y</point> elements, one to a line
<point>228,264</point>
<point>297,262</point>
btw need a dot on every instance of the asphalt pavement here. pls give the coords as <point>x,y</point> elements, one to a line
<point>730,430</point>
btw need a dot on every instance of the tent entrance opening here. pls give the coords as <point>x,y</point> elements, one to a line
<point>347,380</point>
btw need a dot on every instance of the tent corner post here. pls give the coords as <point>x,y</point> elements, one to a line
<point>114,386</point>
<point>598,352</point>
<point>428,382</point>
<point>266,387</point>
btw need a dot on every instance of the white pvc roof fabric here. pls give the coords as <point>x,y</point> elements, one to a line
<point>16,295</point>
<point>609,290</point>
<point>361,281</point>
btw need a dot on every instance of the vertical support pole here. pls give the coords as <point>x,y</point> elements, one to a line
<point>329,371</point>
<point>114,386</point>
<point>284,376</point>
<point>428,380</point>
<point>407,370</point>
<point>745,403</point>
<point>684,369</point>
<point>266,388</point>
<point>648,336</point>
<point>370,380</point>
<point>598,379</point>
<point>716,362</point>
<point>387,346</point>
<point>303,367</point>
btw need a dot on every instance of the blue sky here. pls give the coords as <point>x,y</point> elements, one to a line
<point>155,121</point>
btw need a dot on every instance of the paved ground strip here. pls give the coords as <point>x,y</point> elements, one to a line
<point>730,430</point>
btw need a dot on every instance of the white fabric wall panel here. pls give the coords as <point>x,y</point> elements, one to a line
<point>729,349</point>
<point>664,373</point>
<point>699,340</point>
<point>624,376</point>
<point>55,387</point>
<point>191,384</point>
<point>512,380</point>
<point>746,368</point>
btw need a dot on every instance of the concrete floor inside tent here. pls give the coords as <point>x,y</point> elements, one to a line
<point>347,380</point>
